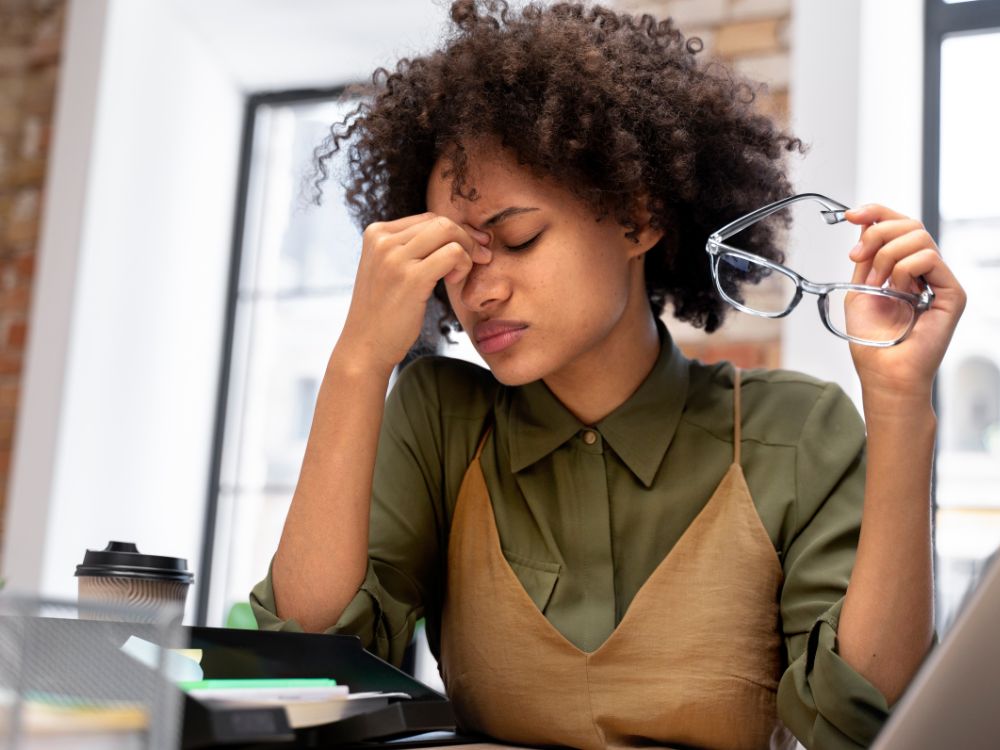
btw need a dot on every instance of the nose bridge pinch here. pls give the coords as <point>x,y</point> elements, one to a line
<point>482,285</point>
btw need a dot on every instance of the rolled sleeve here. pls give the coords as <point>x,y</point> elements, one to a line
<point>821,699</point>
<point>827,701</point>
<point>384,626</point>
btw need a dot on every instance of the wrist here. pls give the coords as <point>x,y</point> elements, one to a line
<point>358,363</point>
<point>901,408</point>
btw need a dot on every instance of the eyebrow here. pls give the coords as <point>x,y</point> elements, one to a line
<point>507,212</point>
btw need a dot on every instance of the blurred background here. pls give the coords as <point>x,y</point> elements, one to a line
<point>168,302</point>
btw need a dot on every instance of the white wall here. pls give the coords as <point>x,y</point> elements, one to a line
<point>856,99</point>
<point>139,327</point>
<point>119,387</point>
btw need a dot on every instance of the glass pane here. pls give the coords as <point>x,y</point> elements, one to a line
<point>296,276</point>
<point>968,386</point>
<point>969,151</point>
<point>756,286</point>
<point>292,244</point>
<point>869,318</point>
<point>290,344</point>
<point>254,521</point>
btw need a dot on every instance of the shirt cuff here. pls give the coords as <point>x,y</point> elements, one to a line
<point>846,710</point>
<point>359,618</point>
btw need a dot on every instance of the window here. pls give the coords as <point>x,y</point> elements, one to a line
<point>294,267</point>
<point>962,209</point>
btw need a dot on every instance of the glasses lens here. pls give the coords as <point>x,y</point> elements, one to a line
<point>773,293</point>
<point>873,318</point>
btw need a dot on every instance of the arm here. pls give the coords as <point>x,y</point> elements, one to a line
<point>821,698</point>
<point>321,559</point>
<point>886,626</point>
<point>402,563</point>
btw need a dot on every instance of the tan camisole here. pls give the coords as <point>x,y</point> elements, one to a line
<point>694,662</point>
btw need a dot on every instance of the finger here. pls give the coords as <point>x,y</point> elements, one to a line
<point>870,213</point>
<point>397,225</point>
<point>421,240</point>
<point>450,262</point>
<point>875,236</point>
<point>931,266</point>
<point>861,271</point>
<point>483,238</point>
<point>890,254</point>
<point>905,275</point>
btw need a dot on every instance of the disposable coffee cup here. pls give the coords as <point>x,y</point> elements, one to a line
<point>120,575</point>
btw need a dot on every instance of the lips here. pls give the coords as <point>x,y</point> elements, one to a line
<point>494,336</point>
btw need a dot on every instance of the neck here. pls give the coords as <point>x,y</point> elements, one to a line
<point>602,379</point>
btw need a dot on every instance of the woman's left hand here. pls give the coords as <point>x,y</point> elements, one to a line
<point>899,249</point>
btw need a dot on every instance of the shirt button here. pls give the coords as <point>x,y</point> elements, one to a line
<point>589,437</point>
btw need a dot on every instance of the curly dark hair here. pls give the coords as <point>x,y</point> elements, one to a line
<point>616,108</point>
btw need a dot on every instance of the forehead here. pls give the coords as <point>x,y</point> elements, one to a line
<point>498,180</point>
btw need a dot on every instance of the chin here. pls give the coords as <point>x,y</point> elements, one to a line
<point>511,372</point>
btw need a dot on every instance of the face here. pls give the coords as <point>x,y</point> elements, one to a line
<point>560,285</point>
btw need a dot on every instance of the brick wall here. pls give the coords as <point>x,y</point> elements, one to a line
<point>30,42</point>
<point>752,37</point>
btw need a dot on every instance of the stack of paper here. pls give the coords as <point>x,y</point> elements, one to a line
<point>308,702</point>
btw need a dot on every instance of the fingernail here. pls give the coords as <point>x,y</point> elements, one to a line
<point>856,249</point>
<point>481,237</point>
<point>484,254</point>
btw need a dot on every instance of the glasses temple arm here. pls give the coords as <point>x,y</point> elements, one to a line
<point>833,213</point>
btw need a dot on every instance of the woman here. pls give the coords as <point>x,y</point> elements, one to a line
<point>612,545</point>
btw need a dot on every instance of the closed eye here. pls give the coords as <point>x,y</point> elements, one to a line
<point>524,246</point>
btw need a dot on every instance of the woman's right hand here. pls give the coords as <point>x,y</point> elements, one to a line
<point>401,262</point>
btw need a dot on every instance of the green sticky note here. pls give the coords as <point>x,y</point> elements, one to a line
<point>279,683</point>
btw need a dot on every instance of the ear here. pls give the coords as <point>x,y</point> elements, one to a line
<point>647,236</point>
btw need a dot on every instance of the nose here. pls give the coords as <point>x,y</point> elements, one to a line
<point>486,286</point>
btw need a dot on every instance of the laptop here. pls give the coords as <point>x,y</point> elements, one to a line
<point>954,700</point>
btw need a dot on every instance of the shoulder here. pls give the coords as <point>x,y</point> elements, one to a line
<point>778,407</point>
<point>449,387</point>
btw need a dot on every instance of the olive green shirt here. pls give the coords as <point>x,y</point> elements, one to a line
<point>583,522</point>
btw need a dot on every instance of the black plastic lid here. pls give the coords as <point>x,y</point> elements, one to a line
<point>123,560</point>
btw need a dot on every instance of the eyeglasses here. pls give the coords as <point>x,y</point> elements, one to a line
<point>869,315</point>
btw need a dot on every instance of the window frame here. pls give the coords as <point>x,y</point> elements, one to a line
<point>252,104</point>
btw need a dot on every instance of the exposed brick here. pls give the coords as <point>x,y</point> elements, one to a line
<point>743,354</point>
<point>9,395</point>
<point>13,60</point>
<point>24,265</point>
<point>46,49</point>
<point>26,173</point>
<point>774,104</point>
<point>20,233</point>
<point>747,9</point>
<point>770,69</point>
<point>749,38</point>
<point>31,138</point>
<point>39,98</point>
<point>6,431</point>
<point>685,13</point>
<point>17,334</point>
<point>15,300</point>
<point>24,206</point>
<point>10,362</point>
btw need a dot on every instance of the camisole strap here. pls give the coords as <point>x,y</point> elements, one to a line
<point>736,415</point>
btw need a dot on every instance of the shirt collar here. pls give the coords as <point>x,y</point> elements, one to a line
<point>639,430</point>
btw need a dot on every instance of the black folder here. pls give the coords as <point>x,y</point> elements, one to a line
<point>233,654</point>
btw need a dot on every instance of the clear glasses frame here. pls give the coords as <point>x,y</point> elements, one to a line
<point>832,213</point>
